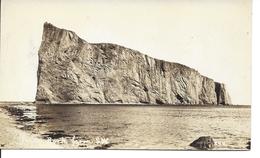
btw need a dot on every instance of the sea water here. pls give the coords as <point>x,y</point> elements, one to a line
<point>148,127</point>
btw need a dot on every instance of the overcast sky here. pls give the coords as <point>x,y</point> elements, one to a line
<point>212,36</point>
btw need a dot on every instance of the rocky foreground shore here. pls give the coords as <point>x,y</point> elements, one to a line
<point>13,138</point>
<point>18,130</point>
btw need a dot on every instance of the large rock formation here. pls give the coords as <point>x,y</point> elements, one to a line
<point>72,70</point>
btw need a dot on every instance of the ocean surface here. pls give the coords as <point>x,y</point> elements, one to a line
<point>137,127</point>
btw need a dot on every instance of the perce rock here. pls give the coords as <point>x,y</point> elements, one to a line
<point>72,70</point>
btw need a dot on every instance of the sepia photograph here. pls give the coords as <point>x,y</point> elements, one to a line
<point>126,74</point>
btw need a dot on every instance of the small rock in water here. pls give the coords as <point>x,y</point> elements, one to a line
<point>40,122</point>
<point>105,146</point>
<point>57,131</point>
<point>14,111</point>
<point>25,119</point>
<point>203,143</point>
<point>248,145</point>
<point>27,127</point>
<point>83,146</point>
<point>27,110</point>
<point>55,134</point>
<point>42,118</point>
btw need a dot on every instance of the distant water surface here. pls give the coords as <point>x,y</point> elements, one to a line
<point>149,127</point>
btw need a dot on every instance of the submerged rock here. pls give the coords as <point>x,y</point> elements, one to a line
<point>72,70</point>
<point>203,143</point>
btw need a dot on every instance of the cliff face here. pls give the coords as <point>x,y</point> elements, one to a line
<point>72,70</point>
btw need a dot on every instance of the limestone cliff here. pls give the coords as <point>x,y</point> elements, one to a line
<point>72,70</point>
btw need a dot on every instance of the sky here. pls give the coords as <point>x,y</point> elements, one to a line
<point>211,36</point>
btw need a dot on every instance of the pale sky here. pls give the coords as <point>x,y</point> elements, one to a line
<point>211,36</point>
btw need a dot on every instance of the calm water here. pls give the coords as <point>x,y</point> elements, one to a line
<point>149,127</point>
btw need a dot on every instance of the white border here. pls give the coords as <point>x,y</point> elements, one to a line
<point>213,154</point>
